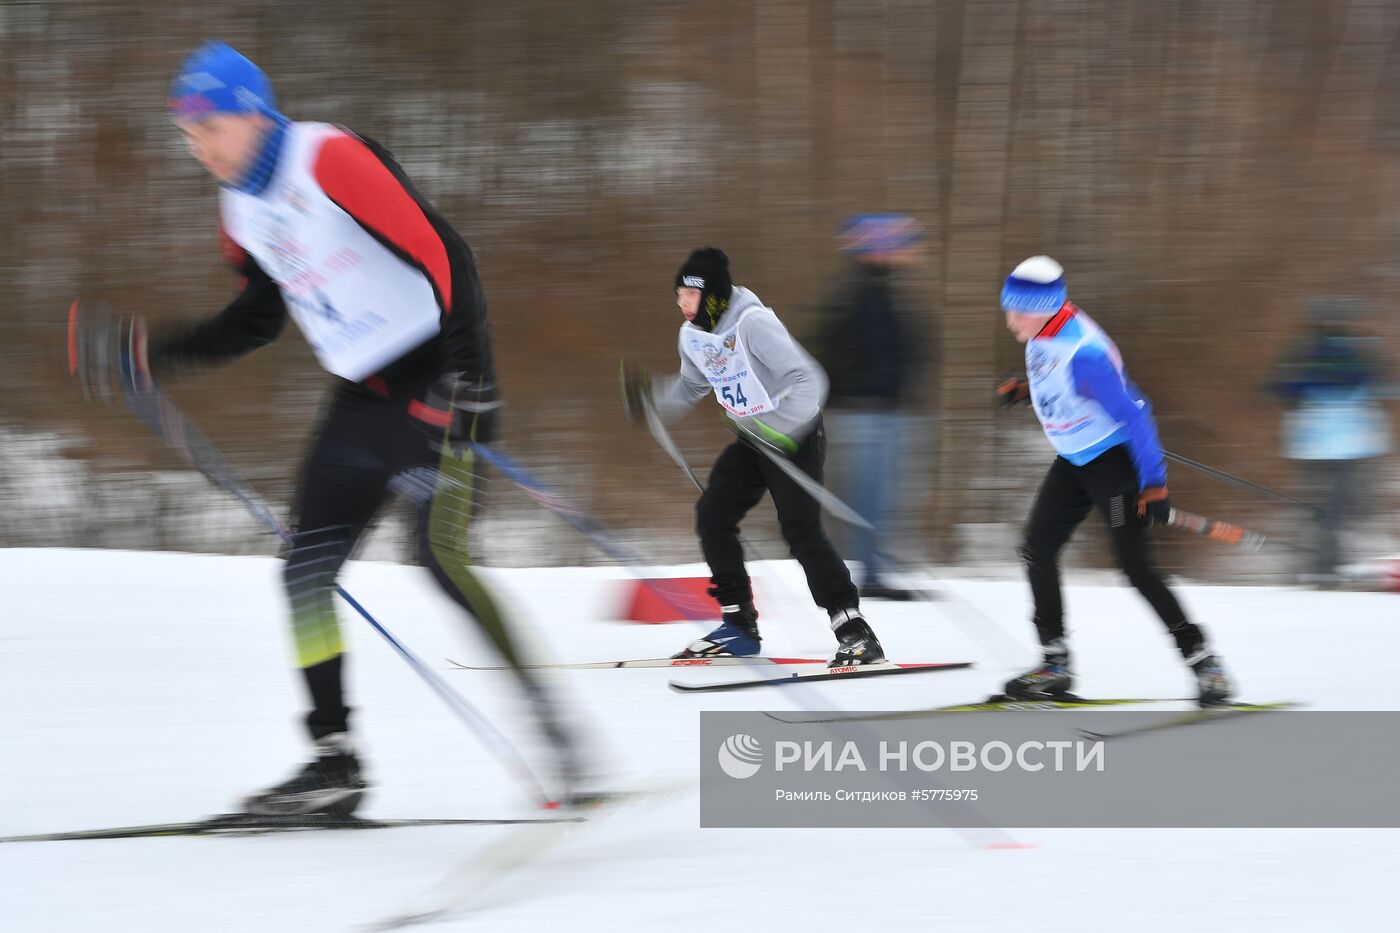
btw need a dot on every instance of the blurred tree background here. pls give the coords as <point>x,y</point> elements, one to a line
<point>1198,167</point>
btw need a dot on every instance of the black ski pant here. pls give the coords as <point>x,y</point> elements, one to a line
<point>737,482</point>
<point>366,448</point>
<point>1108,483</point>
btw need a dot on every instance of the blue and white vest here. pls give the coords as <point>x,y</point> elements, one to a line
<point>1071,422</point>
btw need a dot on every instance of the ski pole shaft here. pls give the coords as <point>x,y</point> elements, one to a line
<point>595,532</point>
<point>171,425</point>
<point>585,524</point>
<point>825,497</point>
<point>1238,480</point>
<point>667,443</point>
<point>1216,530</point>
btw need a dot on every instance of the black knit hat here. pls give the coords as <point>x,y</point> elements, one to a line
<point>708,270</point>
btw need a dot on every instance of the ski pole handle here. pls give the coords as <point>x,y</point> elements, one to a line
<point>1216,530</point>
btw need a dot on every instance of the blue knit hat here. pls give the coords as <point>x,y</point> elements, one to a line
<point>864,234</point>
<point>216,79</point>
<point>1036,286</point>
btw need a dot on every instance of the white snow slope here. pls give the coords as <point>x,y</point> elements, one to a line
<point>138,687</point>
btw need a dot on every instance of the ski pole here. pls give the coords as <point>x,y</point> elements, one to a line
<point>1216,530</point>
<point>588,526</point>
<point>825,497</point>
<point>1238,481</point>
<point>667,443</point>
<point>171,425</point>
<point>591,528</point>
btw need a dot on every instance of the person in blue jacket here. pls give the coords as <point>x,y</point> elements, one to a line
<point>1335,384</point>
<point>1109,458</point>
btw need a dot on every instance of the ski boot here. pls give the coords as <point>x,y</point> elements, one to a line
<point>330,785</point>
<point>859,646</point>
<point>1213,684</point>
<point>736,637</point>
<point>1050,678</point>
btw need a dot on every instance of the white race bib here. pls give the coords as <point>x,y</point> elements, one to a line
<point>359,305</point>
<point>725,363</point>
<point>1071,422</point>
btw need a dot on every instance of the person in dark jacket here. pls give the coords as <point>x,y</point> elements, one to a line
<point>873,346</point>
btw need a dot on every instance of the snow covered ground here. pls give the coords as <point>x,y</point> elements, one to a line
<point>138,687</point>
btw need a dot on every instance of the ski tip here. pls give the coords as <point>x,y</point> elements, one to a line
<point>1011,846</point>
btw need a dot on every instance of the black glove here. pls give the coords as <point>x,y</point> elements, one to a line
<point>1153,506</point>
<point>636,392</point>
<point>458,408</point>
<point>106,351</point>
<point>1014,391</point>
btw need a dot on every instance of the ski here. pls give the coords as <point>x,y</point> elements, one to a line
<point>644,662</point>
<point>996,703</point>
<point>248,824</point>
<point>912,594</point>
<point>466,886</point>
<point>1191,718</point>
<point>829,673</point>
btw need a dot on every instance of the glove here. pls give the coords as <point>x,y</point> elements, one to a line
<point>1014,391</point>
<point>458,408</point>
<point>1153,506</point>
<point>636,392</point>
<point>761,435</point>
<point>106,351</point>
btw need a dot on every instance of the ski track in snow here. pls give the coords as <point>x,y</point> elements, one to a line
<point>142,687</point>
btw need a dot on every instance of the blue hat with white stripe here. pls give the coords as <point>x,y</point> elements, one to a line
<point>1036,286</point>
<point>217,79</point>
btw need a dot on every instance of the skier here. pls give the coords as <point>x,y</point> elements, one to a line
<point>324,226</point>
<point>772,391</point>
<point>1101,426</point>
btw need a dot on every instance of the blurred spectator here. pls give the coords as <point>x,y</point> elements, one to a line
<point>1333,380</point>
<point>871,343</point>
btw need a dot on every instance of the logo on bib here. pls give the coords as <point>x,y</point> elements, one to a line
<point>729,341</point>
<point>1039,364</point>
<point>714,362</point>
<point>297,199</point>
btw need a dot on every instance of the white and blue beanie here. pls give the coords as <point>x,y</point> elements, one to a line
<point>1036,286</point>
